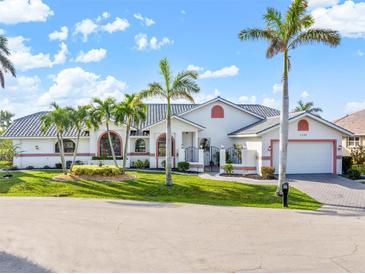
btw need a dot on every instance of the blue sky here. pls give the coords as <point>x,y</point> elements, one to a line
<point>71,50</point>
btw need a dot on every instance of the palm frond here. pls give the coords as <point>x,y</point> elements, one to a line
<point>165,72</point>
<point>256,34</point>
<point>294,14</point>
<point>273,19</point>
<point>328,37</point>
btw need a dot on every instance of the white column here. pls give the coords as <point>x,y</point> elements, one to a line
<point>201,160</point>
<point>222,159</point>
<point>181,154</point>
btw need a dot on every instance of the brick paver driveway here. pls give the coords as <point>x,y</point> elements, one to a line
<point>332,191</point>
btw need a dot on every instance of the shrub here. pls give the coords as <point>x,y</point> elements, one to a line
<point>353,174</point>
<point>146,163</point>
<point>29,167</point>
<point>46,167</point>
<point>358,155</point>
<point>93,170</point>
<point>139,164</point>
<point>58,166</point>
<point>183,166</point>
<point>346,164</point>
<point>12,168</point>
<point>267,172</point>
<point>228,168</point>
<point>68,164</point>
<point>163,163</point>
<point>78,162</point>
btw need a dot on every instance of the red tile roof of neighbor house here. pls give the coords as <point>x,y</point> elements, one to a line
<point>354,122</point>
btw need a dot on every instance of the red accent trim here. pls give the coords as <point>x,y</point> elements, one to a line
<point>138,154</point>
<point>51,154</point>
<point>245,168</point>
<point>152,154</point>
<point>334,149</point>
<point>173,149</point>
<point>217,111</point>
<point>114,132</point>
<point>265,158</point>
<point>303,125</point>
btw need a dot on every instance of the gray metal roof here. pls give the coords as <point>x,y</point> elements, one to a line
<point>260,126</point>
<point>30,126</point>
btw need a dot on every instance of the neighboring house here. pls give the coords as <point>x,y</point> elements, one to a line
<point>203,134</point>
<point>355,123</point>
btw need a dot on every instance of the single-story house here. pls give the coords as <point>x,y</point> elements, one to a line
<point>355,123</point>
<point>206,135</point>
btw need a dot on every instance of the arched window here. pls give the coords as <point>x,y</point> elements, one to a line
<point>104,147</point>
<point>161,146</point>
<point>140,145</point>
<point>68,146</point>
<point>303,125</point>
<point>217,112</point>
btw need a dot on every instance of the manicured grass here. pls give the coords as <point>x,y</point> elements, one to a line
<point>149,187</point>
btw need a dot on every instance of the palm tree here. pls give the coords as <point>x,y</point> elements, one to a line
<point>5,119</point>
<point>61,119</point>
<point>180,86</point>
<point>309,106</point>
<point>285,33</point>
<point>6,64</point>
<point>131,109</point>
<point>103,110</point>
<point>79,118</point>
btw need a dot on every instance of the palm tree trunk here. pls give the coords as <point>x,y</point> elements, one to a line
<point>62,151</point>
<point>168,179</point>
<point>111,144</point>
<point>284,128</point>
<point>76,149</point>
<point>126,144</point>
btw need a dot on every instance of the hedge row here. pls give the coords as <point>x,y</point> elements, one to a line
<point>92,170</point>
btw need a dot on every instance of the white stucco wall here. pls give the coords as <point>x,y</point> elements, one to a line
<point>218,128</point>
<point>317,130</point>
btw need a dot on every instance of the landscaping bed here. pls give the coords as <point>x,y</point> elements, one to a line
<point>249,176</point>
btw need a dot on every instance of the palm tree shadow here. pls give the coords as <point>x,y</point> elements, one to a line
<point>14,264</point>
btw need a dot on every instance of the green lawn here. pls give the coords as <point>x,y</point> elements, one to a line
<point>3,164</point>
<point>149,187</point>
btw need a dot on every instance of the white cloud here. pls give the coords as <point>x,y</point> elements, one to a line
<point>354,106</point>
<point>247,99</point>
<point>104,15</point>
<point>24,84</point>
<point>22,11</point>
<point>74,86</point>
<point>23,58</point>
<point>203,97</point>
<point>59,35</point>
<point>276,88</point>
<point>93,55</point>
<point>304,94</point>
<point>143,42</point>
<point>86,27</point>
<point>322,3</point>
<point>183,12</point>
<point>2,31</point>
<point>223,72</point>
<point>145,20</point>
<point>271,102</point>
<point>60,56</point>
<point>194,68</point>
<point>360,53</point>
<point>117,25</point>
<point>348,18</point>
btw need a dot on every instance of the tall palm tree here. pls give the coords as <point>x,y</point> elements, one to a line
<point>102,110</point>
<point>79,119</point>
<point>179,86</point>
<point>131,109</point>
<point>5,63</point>
<point>60,118</point>
<point>5,119</point>
<point>285,33</point>
<point>309,106</point>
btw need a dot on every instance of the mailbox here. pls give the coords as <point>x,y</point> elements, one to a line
<point>285,194</point>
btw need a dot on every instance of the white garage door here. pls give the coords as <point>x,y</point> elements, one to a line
<point>306,157</point>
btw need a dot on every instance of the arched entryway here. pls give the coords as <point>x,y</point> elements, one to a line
<point>104,147</point>
<point>161,149</point>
